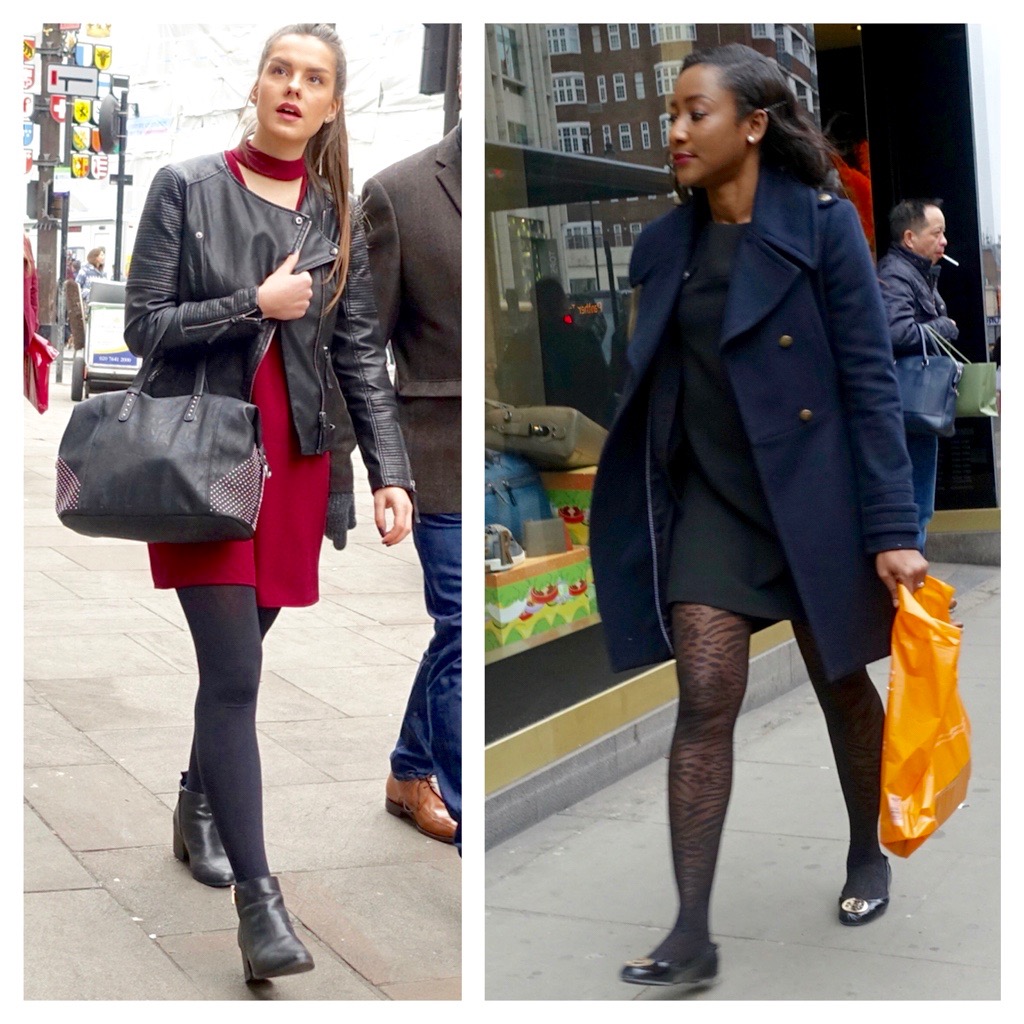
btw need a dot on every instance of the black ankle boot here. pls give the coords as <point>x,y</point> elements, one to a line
<point>270,948</point>
<point>196,842</point>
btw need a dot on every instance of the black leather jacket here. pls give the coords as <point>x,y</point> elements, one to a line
<point>204,245</point>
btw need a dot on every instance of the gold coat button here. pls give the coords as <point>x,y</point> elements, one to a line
<point>806,414</point>
<point>785,341</point>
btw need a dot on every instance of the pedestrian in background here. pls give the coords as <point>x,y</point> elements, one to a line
<point>94,262</point>
<point>413,213</point>
<point>31,306</point>
<point>756,470</point>
<point>909,276</point>
<point>255,259</point>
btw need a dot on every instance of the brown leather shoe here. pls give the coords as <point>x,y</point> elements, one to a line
<point>416,800</point>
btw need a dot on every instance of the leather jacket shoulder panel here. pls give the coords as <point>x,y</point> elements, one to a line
<point>204,245</point>
<point>357,354</point>
<point>167,302</point>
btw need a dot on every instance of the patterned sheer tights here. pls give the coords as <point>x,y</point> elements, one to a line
<point>712,650</point>
<point>228,629</point>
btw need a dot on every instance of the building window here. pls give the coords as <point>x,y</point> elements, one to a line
<point>582,285</point>
<point>762,31</point>
<point>665,75</point>
<point>664,122</point>
<point>508,52</point>
<point>616,234</point>
<point>625,138</point>
<point>606,137</point>
<point>579,234</point>
<point>595,37</point>
<point>602,89</point>
<point>645,135</point>
<point>783,41</point>
<point>619,86</point>
<point>517,134</point>
<point>634,231</point>
<point>673,34</point>
<point>563,39</point>
<point>799,49</point>
<point>574,137</point>
<point>803,94</point>
<point>634,37</point>
<point>614,39</point>
<point>638,82</point>
<point>569,87</point>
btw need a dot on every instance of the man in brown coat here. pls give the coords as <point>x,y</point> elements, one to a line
<point>413,217</point>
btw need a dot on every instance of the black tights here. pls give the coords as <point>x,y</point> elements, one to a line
<point>712,653</point>
<point>228,629</point>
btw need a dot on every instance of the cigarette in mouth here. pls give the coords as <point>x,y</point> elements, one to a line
<point>949,259</point>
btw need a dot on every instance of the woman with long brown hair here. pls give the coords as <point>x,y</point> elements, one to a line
<point>253,259</point>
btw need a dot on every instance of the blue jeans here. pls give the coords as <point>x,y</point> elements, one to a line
<point>430,740</point>
<point>924,457</point>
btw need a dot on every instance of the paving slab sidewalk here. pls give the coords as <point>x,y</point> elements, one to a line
<point>571,898</point>
<point>109,686</point>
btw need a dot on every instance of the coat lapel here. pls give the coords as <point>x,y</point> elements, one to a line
<point>780,243</point>
<point>660,290</point>
<point>449,168</point>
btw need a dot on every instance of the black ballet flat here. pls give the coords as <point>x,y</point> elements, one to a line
<point>854,910</point>
<point>697,971</point>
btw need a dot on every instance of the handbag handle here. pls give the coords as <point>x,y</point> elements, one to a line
<point>946,346</point>
<point>510,428</point>
<point>135,389</point>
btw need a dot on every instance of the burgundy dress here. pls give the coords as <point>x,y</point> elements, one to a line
<point>282,559</point>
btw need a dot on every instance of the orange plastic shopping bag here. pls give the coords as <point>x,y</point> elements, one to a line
<point>926,747</point>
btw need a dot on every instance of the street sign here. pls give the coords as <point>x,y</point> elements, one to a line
<point>28,133</point>
<point>30,48</point>
<point>102,56</point>
<point>83,55</point>
<point>100,166</point>
<point>82,111</point>
<point>80,165</point>
<point>28,160</point>
<point>69,80</point>
<point>80,137</point>
<point>58,108</point>
<point>28,104</point>
<point>30,76</point>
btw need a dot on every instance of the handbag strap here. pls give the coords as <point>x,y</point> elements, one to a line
<point>945,345</point>
<point>135,389</point>
<point>924,343</point>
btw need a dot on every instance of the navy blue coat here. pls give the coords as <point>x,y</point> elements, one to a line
<point>818,399</point>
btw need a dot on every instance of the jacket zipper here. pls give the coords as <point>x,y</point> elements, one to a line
<point>653,534</point>
<point>322,424</point>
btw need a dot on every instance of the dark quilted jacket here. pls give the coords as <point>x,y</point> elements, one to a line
<point>911,295</point>
<point>204,245</point>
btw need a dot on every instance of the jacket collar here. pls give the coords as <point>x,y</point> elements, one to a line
<point>924,266</point>
<point>781,242</point>
<point>785,216</point>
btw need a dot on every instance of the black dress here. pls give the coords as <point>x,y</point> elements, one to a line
<point>725,552</point>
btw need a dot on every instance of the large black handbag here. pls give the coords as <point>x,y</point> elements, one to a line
<point>187,468</point>
<point>928,389</point>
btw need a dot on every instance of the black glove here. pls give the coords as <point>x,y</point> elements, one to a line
<point>341,517</point>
